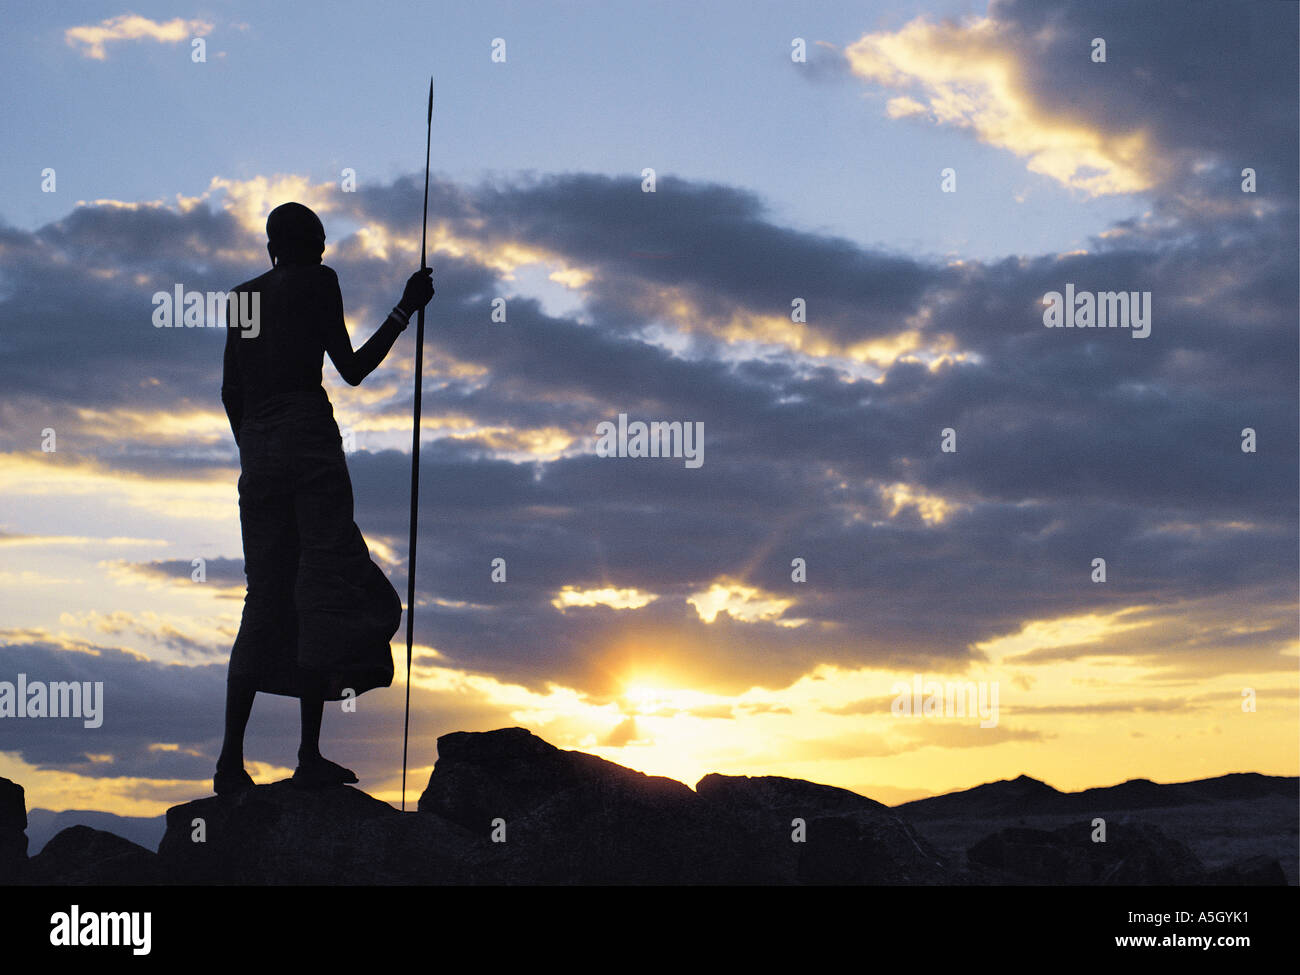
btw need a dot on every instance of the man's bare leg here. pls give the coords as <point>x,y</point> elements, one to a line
<point>313,768</point>
<point>231,776</point>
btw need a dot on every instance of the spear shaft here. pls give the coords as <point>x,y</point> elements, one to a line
<point>415,449</point>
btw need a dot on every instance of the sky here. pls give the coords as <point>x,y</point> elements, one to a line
<point>839,266</point>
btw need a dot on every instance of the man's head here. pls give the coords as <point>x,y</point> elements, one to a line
<point>294,235</point>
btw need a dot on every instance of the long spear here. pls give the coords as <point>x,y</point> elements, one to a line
<point>415,450</point>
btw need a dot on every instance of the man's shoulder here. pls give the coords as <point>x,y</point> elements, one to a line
<point>312,277</point>
<point>310,272</point>
<point>253,284</point>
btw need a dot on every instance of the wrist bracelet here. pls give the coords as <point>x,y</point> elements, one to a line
<point>400,315</point>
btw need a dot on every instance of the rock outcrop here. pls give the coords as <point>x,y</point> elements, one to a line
<point>13,836</point>
<point>568,817</point>
<point>82,856</point>
<point>845,838</point>
<point>506,807</point>
<point>279,834</point>
<point>1133,854</point>
<point>550,816</point>
<point>1256,871</point>
<point>1025,796</point>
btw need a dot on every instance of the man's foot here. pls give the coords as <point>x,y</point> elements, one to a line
<point>228,781</point>
<point>318,772</point>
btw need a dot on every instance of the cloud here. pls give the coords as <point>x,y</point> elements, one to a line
<point>613,598</point>
<point>132,27</point>
<point>219,571</point>
<point>1071,445</point>
<point>1150,118</point>
<point>624,733</point>
<point>741,602</point>
<point>914,735</point>
<point>947,734</point>
<point>1125,707</point>
<point>970,78</point>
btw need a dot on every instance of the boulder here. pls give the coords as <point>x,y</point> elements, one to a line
<point>845,838</point>
<point>567,817</point>
<point>279,834</point>
<point>1135,853</point>
<point>506,807</point>
<point>82,856</point>
<point>13,836</point>
<point>1256,871</point>
<point>561,817</point>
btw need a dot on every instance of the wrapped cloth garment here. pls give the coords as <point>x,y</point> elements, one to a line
<point>319,613</point>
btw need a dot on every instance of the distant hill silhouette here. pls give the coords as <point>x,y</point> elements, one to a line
<point>506,807</point>
<point>1027,796</point>
<point>44,824</point>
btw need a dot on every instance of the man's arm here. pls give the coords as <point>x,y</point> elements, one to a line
<point>355,366</point>
<point>232,389</point>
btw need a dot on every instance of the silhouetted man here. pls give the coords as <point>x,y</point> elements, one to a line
<point>318,613</point>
